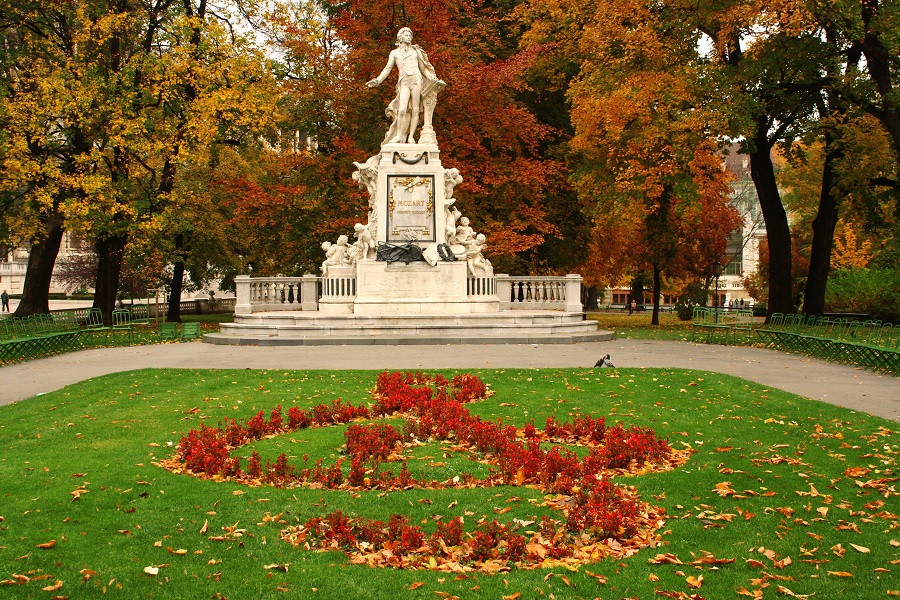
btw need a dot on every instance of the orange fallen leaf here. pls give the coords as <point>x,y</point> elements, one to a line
<point>694,582</point>
<point>861,549</point>
<point>47,545</point>
<point>512,596</point>
<point>667,558</point>
<point>840,573</point>
<point>856,472</point>
<point>416,585</point>
<point>780,564</point>
<point>783,590</point>
<point>755,563</point>
<point>53,588</point>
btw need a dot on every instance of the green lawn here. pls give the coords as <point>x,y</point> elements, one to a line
<point>637,325</point>
<point>806,497</point>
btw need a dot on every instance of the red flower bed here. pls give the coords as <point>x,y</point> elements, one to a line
<point>594,508</point>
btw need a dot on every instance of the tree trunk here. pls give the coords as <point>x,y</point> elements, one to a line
<point>591,297</point>
<point>823,233</point>
<point>879,64</point>
<point>637,290</point>
<point>778,231</point>
<point>110,251</point>
<point>657,290</point>
<point>36,290</point>
<point>174,314</point>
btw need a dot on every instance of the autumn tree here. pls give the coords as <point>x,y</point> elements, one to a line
<point>46,134</point>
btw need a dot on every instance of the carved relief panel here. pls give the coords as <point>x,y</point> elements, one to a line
<point>410,208</point>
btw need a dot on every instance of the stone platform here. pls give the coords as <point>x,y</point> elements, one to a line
<point>311,328</point>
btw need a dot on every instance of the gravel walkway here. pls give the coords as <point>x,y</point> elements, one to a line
<point>852,388</point>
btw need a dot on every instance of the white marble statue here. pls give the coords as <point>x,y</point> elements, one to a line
<point>475,260</point>
<point>366,176</point>
<point>452,178</point>
<point>364,246</point>
<point>451,215</point>
<point>336,255</point>
<point>465,235</point>
<point>417,90</point>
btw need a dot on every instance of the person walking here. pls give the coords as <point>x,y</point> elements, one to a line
<point>632,307</point>
<point>4,298</point>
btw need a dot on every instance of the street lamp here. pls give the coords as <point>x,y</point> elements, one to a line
<point>717,271</point>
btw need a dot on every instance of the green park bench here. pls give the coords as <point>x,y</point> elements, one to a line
<point>190,331</point>
<point>168,331</point>
<point>35,336</point>
<point>865,343</point>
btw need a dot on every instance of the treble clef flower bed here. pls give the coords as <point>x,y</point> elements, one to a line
<point>598,517</point>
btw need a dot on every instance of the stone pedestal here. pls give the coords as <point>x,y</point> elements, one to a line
<point>410,196</point>
<point>417,289</point>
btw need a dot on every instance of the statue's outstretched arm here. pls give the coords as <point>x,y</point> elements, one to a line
<point>384,73</point>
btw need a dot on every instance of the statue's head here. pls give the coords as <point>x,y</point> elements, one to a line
<point>406,31</point>
<point>342,240</point>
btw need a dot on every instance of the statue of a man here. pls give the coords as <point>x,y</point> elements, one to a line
<point>417,89</point>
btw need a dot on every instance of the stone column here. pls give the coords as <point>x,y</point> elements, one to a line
<point>573,293</point>
<point>504,290</point>
<point>242,291</point>
<point>309,295</point>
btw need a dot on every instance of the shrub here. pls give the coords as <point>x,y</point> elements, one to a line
<point>872,291</point>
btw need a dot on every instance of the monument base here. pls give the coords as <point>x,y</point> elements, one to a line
<point>417,288</point>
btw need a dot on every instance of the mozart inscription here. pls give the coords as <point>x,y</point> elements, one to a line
<point>410,213</point>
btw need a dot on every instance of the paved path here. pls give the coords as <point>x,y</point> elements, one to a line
<point>845,386</point>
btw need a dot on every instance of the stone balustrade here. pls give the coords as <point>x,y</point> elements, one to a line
<point>477,287</point>
<point>263,294</point>
<point>539,293</point>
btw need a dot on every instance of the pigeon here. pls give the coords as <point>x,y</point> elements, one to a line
<point>605,363</point>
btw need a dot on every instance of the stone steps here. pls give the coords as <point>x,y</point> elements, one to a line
<point>507,327</point>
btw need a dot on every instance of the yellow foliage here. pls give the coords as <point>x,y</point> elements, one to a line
<point>849,251</point>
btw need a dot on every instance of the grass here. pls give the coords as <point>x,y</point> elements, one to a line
<point>794,457</point>
<point>149,334</point>
<point>637,325</point>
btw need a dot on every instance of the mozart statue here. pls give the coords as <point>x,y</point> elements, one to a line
<point>417,90</point>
